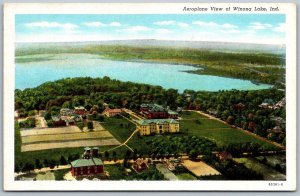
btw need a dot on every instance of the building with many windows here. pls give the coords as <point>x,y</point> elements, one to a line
<point>88,164</point>
<point>157,126</point>
<point>155,111</point>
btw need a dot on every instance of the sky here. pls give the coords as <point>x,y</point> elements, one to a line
<point>245,28</point>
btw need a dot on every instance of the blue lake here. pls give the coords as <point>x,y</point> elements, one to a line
<point>61,66</point>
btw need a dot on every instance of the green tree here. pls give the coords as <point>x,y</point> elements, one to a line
<point>90,125</point>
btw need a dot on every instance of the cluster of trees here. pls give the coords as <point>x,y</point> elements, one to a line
<point>241,108</point>
<point>90,92</point>
<point>38,164</point>
<point>28,123</point>
<point>93,93</point>
<point>237,149</point>
<point>175,146</point>
<point>232,170</point>
<point>149,174</point>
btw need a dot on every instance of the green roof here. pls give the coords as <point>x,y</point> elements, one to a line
<point>86,162</point>
<point>157,121</point>
<point>172,112</point>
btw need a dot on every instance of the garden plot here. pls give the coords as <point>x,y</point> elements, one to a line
<point>69,144</point>
<point>66,137</point>
<point>47,131</point>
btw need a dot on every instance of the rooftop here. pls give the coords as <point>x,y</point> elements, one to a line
<point>86,162</point>
<point>157,121</point>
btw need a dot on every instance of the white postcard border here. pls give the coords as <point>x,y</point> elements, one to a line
<point>140,8</point>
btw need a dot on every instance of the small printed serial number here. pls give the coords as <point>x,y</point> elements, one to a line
<point>275,184</point>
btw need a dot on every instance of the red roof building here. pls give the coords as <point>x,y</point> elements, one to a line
<point>112,112</point>
<point>88,164</point>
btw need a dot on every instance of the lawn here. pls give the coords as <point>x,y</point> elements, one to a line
<point>121,129</point>
<point>186,176</point>
<point>216,131</point>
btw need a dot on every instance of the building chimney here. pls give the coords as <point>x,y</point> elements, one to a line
<point>95,152</point>
<point>87,153</point>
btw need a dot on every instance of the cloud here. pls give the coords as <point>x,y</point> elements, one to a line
<point>100,24</point>
<point>115,24</point>
<point>259,26</point>
<point>171,22</point>
<point>182,24</point>
<point>46,24</point>
<point>215,25</point>
<point>165,22</point>
<point>163,31</point>
<point>136,29</point>
<point>94,24</point>
<point>281,27</point>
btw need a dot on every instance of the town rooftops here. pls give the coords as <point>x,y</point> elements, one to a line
<point>87,148</point>
<point>79,108</point>
<point>172,112</point>
<point>154,107</point>
<point>157,121</point>
<point>113,110</point>
<point>86,162</point>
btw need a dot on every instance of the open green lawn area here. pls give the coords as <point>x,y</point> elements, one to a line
<point>121,129</point>
<point>219,132</point>
<point>186,176</point>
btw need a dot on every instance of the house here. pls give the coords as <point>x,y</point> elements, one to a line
<point>157,126</point>
<point>280,104</point>
<point>88,164</point>
<point>223,156</point>
<point>267,104</point>
<point>66,112</point>
<point>42,113</point>
<point>239,106</point>
<point>212,111</point>
<point>112,112</point>
<point>16,114</point>
<point>79,110</point>
<point>58,122</point>
<point>279,121</point>
<point>155,111</point>
<point>140,165</point>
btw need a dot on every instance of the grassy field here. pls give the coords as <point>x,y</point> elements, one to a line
<point>121,129</point>
<point>267,172</point>
<point>186,176</point>
<point>66,137</point>
<point>219,132</point>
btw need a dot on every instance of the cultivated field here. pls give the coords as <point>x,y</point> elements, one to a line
<point>200,168</point>
<point>47,131</point>
<point>66,137</point>
<point>69,144</point>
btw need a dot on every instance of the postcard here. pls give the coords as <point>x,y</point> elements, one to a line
<point>150,96</point>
